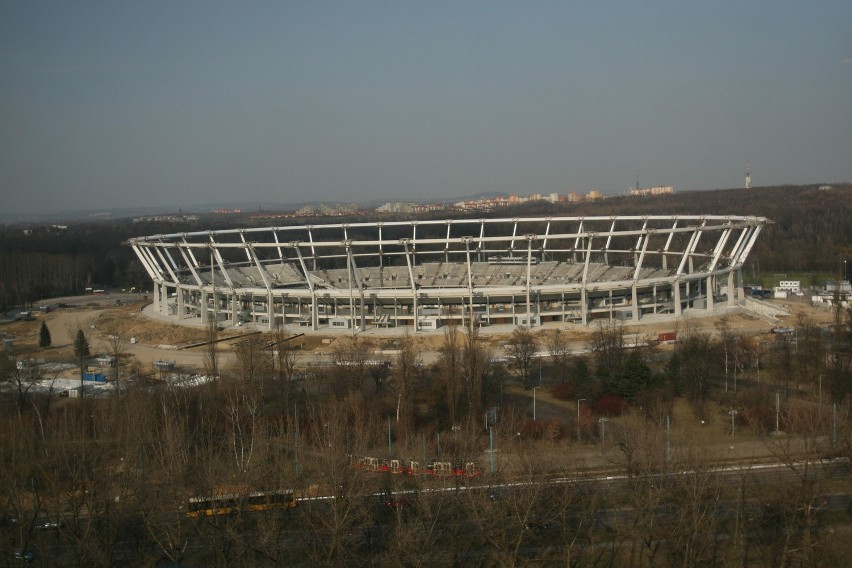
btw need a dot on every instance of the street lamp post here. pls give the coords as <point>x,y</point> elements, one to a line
<point>777,411</point>
<point>534,389</point>
<point>820,391</point>
<point>756,364</point>
<point>602,420</point>
<point>579,400</point>
<point>733,414</point>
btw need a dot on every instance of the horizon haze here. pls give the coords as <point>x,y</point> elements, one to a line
<point>127,104</point>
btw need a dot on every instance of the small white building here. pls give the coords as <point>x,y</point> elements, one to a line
<point>792,286</point>
<point>838,286</point>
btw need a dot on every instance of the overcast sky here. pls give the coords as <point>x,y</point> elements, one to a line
<point>122,104</point>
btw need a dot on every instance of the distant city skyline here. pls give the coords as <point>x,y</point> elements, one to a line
<point>177,104</point>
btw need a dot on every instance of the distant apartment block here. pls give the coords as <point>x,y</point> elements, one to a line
<point>396,207</point>
<point>657,190</point>
<point>165,218</point>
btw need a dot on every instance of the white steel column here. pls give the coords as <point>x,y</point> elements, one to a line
<point>314,312</point>
<point>584,299</point>
<point>469,280</point>
<point>635,295</point>
<point>404,243</point>
<point>530,239</point>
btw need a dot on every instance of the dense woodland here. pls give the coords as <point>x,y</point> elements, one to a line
<point>107,481</point>
<point>811,232</point>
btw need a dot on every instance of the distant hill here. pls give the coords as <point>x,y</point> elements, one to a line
<point>811,226</point>
<point>811,232</point>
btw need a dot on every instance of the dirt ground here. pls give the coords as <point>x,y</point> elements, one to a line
<point>150,338</point>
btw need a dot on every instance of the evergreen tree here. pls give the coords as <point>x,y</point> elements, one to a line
<point>633,377</point>
<point>81,350</point>
<point>44,339</point>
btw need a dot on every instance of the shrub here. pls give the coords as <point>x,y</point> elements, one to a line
<point>563,391</point>
<point>610,405</point>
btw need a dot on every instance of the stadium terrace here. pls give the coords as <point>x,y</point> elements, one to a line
<point>426,274</point>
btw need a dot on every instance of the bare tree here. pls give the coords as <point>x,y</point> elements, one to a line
<point>19,377</point>
<point>211,348</point>
<point>522,348</point>
<point>253,360</point>
<point>403,376</point>
<point>607,346</point>
<point>451,370</point>
<point>114,344</point>
<point>242,413</point>
<point>560,354</point>
<point>349,357</point>
<point>475,361</point>
<point>285,355</point>
<point>338,430</point>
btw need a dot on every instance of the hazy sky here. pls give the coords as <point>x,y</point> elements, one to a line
<point>119,104</point>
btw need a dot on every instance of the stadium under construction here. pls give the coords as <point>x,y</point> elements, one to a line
<point>428,273</point>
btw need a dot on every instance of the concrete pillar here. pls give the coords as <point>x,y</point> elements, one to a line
<point>179,292</point>
<point>205,315</point>
<point>156,290</point>
<point>635,298</point>
<point>164,300</point>
<point>235,309</point>
<point>740,291</point>
<point>655,299</point>
<point>710,303</point>
<point>732,301</point>
<point>677,298</point>
<point>270,311</point>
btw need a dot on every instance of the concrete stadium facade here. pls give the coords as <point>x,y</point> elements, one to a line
<point>425,274</point>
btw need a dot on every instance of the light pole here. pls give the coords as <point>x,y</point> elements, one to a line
<point>579,400</point>
<point>534,389</point>
<point>733,414</point>
<point>602,422</point>
<point>820,390</point>
<point>777,410</point>
<point>756,364</point>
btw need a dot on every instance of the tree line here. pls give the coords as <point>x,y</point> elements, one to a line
<point>810,233</point>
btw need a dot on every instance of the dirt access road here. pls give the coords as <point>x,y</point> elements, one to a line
<point>149,338</point>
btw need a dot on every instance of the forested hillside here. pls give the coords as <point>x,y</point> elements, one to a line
<point>811,232</point>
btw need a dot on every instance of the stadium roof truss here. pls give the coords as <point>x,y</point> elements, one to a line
<point>431,272</point>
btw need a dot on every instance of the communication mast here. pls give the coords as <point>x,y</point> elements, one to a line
<point>748,176</point>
